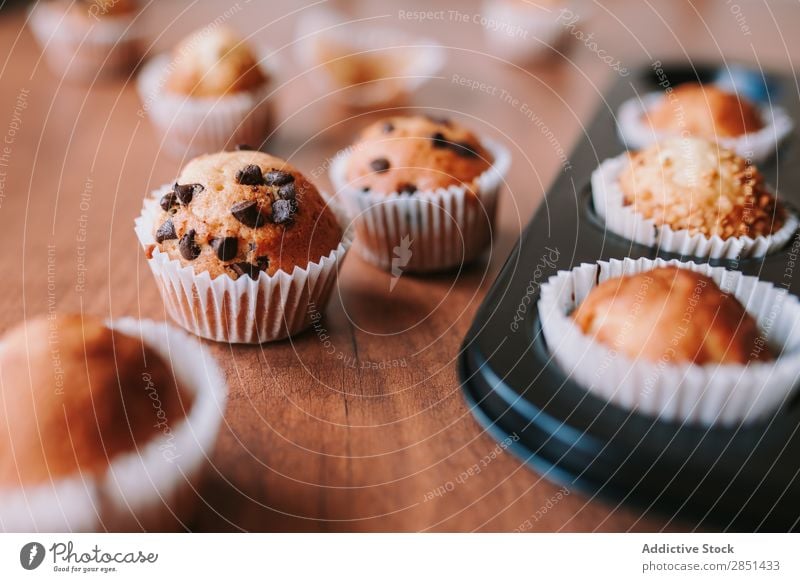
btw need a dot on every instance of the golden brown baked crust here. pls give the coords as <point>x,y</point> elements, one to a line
<point>407,154</point>
<point>705,111</point>
<point>240,213</point>
<point>76,394</point>
<point>212,63</point>
<point>693,184</point>
<point>671,315</point>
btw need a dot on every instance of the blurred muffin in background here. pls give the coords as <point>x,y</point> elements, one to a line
<point>88,39</point>
<point>210,93</point>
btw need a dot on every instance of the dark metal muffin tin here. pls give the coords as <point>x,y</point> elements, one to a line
<point>733,478</point>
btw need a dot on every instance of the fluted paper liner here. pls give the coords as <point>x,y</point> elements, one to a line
<point>105,47</point>
<point>635,131</point>
<point>429,230</point>
<point>132,494</point>
<point>241,310</point>
<point>708,394</point>
<point>191,126</point>
<point>622,219</point>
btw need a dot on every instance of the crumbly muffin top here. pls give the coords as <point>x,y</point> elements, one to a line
<point>76,394</point>
<point>409,154</point>
<point>693,184</point>
<point>672,315</point>
<point>705,111</point>
<point>213,62</point>
<point>240,213</point>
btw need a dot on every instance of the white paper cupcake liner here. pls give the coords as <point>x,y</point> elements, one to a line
<point>622,219</point>
<point>635,131</point>
<point>105,47</point>
<point>422,59</point>
<point>241,310</point>
<point>132,494</point>
<point>426,231</point>
<point>708,394</point>
<point>190,126</point>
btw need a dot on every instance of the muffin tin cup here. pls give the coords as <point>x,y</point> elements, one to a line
<point>152,488</point>
<point>710,394</point>
<point>242,310</point>
<point>102,48</point>
<point>636,133</point>
<point>190,126</point>
<point>622,219</point>
<point>426,231</point>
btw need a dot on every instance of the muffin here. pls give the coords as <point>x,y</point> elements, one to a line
<point>88,39</point>
<point>693,197</point>
<point>210,93</point>
<point>421,184</point>
<point>244,247</point>
<point>679,341</point>
<point>102,407</point>
<point>704,111</point>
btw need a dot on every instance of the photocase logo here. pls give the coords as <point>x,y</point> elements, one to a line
<point>31,555</point>
<point>402,255</point>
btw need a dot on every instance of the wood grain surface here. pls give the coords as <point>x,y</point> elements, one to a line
<point>360,426</point>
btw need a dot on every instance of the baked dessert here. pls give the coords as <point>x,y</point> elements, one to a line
<point>423,190</point>
<point>73,412</point>
<point>211,93</point>
<point>671,314</point>
<point>240,213</point>
<point>705,111</point>
<point>214,63</point>
<point>407,154</point>
<point>696,185</point>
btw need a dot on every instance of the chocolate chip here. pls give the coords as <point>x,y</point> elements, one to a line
<point>278,178</point>
<point>185,192</point>
<point>464,149</point>
<point>245,268</point>
<point>248,213</point>
<point>366,189</point>
<point>189,249</point>
<point>439,140</point>
<point>166,232</point>
<point>283,211</point>
<point>263,262</point>
<point>380,165</point>
<point>226,248</point>
<point>388,127</point>
<point>243,147</point>
<point>407,188</point>
<point>250,175</point>
<point>168,200</point>
<point>287,191</point>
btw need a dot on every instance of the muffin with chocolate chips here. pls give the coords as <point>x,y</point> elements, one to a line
<point>423,188</point>
<point>237,227</point>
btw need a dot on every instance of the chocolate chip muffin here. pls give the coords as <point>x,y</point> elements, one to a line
<point>212,63</point>
<point>419,153</point>
<point>76,395</point>
<point>672,315</point>
<point>242,213</point>
<point>696,185</point>
<point>705,111</point>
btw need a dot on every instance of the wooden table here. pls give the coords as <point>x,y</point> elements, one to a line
<point>369,431</point>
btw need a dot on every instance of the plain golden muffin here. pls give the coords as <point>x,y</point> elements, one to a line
<point>244,212</point>
<point>694,184</point>
<point>213,63</point>
<point>410,154</point>
<point>705,111</point>
<point>77,394</point>
<point>672,315</point>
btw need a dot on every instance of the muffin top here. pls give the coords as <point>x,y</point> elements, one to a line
<point>407,154</point>
<point>76,394</point>
<point>671,315</point>
<point>693,184</point>
<point>212,62</point>
<point>240,213</point>
<point>705,111</point>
